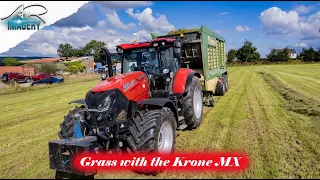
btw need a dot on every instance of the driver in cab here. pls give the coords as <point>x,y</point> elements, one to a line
<point>150,61</point>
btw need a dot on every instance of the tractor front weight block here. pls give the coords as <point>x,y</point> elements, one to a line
<point>62,151</point>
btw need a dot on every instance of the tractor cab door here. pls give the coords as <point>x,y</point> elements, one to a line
<point>169,66</point>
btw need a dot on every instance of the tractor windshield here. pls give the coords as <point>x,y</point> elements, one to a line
<point>153,60</point>
<point>142,58</point>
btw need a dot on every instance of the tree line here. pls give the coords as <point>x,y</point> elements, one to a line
<point>91,48</point>
<point>249,54</point>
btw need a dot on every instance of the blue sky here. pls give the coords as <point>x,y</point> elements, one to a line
<point>267,24</point>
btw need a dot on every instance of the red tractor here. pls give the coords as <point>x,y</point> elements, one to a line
<point>136,111</point>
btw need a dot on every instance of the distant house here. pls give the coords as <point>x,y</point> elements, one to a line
<point>293,54</point>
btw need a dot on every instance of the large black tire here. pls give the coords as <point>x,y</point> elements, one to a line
<point>28,80</point>
<point>146,135</point>
<point>190,106</point>
<point>15,81</point>
<point>220,88</point>
<point>67,131</point>
<point>68,125</point>
<point>66,175</point>
<point>225,82</point>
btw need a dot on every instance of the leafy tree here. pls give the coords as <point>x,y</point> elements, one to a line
<point>310,54</point>
<point>248,53</point>
<point>78,52</point>
<point>47,67</point>
<point>284,55</point>
<point>74,67</point>
<point>273,56</point>
<point>65,50</point>
<point>279,55</point>
<point>11,62</point>
<point>94,46</point>
<point>231,56</point>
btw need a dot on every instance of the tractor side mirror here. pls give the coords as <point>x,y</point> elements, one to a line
<point>105,59</point>
<point>119,51</point>
<point>177,49</point>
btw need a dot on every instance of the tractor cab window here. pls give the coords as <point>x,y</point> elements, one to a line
<point>167,59</point>
<point>141,59</point>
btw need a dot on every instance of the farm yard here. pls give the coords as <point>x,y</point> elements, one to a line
<point>271,112</point>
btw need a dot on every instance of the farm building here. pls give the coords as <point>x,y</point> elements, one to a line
<point>293,54</point>
<point>25,70</point>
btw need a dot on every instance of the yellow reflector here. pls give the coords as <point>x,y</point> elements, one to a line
<point>181,35</point>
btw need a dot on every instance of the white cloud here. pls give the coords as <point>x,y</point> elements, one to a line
<point>223,13</point>
<point>302,9</point>
<point>46,42</point>
<point>27,50</point>
<point>142,35</point>
<point>310,28</point>
<point>101,23</point>
<point>112,44</point>
<point>149,22</point>
<point>43,49</point>
<point>111,32</point>
<point>242,28</point>
<point>301,45</point>
<point>114,19</point>
<point>76,29</point>
<point>278,22</point>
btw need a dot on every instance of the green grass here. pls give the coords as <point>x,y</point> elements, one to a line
<point>270,112</point>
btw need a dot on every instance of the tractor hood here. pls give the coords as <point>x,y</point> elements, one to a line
<point>123,82</point>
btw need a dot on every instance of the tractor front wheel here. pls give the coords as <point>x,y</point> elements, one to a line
<point>152,131</point>
<point>67,130</point>
<point>68,125</point>
<point>192,105</point>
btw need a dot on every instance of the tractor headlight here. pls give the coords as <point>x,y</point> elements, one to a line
<point>106,104</point>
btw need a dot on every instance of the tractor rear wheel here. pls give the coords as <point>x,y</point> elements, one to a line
<point>220,88</point>
<point>225,82</point>
<point>152,131</point>
<point>192,105</point>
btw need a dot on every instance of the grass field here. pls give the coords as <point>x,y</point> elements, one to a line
<point>270,112</point>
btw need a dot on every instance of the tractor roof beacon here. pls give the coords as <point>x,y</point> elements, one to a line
<point>160,90</point>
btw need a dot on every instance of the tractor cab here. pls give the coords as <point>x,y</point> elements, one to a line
<point>158,59</point>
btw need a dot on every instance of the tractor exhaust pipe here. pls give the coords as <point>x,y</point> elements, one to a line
<point>105,59</point>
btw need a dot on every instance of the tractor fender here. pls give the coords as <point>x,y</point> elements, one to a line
<point>78,101</point>
<point>182,80</point>
<point>161,102</point>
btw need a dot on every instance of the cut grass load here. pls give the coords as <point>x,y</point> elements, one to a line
<point>271,112</point>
